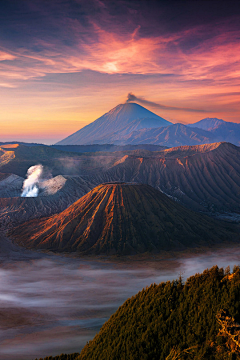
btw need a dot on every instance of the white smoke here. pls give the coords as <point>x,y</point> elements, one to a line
<point>30,185</point>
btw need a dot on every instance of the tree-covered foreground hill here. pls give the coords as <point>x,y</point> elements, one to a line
<point>173,320</point>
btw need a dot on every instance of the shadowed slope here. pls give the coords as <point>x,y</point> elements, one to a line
<point>122,219</point>
<point>204,177</point>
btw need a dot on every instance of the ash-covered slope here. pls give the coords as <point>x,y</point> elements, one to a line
<point>204,177</point>
<point>55,196</point>
<point>17,158</point>
<point>118,218</point>
<point>127,117</point>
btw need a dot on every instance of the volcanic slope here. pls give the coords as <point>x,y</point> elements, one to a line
<point>203,177</point>
<point>207,123</point>
<point>17,158</point>
<point>172,135</point>
<point>220,130</point>
<point>118,218</point>
<point>124,117</point>
<point>55,195</point>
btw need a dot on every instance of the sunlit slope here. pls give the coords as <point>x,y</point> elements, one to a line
<point>174,321</point>
<point>123,219</point>
<point>204,177</point>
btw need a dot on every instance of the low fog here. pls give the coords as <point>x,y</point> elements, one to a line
<point>52,304</point>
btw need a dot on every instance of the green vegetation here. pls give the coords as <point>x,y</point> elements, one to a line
<point>173,321</point>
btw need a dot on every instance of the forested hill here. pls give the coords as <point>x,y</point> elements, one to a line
<point>173,320</point>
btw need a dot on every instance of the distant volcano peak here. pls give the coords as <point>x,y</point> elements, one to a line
<point>124,117</point>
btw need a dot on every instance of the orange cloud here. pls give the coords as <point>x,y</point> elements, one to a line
<point>6,56</point>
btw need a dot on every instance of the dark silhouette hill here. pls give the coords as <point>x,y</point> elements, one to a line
<point>124,117</point>
<point>119,218</point>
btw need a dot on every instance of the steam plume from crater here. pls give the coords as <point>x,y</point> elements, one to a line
<point>30,185</point>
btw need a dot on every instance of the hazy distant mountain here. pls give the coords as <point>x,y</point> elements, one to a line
<point>179,134</point>
<point>133,124</point>
<point>207,123</point>
<point>230,132</point>
<point>173,135</point>
<point>119,218</point>
<point>124,117</point>
<point>221,130</point>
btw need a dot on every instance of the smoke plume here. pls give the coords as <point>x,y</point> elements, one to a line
<point>131,97</point>
<point>30,185</point>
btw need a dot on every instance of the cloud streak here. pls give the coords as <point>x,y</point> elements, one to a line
<point>132,98</point>
<point>215,59</point>
<point>72,53</point>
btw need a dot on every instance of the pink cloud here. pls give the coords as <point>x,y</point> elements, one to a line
<point>6,56</point>
<point>213,59</point>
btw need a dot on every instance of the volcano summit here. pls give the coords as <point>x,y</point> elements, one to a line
<point>124,118</point>
<point>122,218</point>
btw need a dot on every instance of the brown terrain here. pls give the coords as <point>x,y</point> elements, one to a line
<point>120,218</point>
<point>203,178</point>
<point>55,196</point>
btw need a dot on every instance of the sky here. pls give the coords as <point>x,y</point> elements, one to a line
<point>64,63</point>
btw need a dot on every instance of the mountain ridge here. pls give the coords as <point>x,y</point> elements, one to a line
<point>131,123</point>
